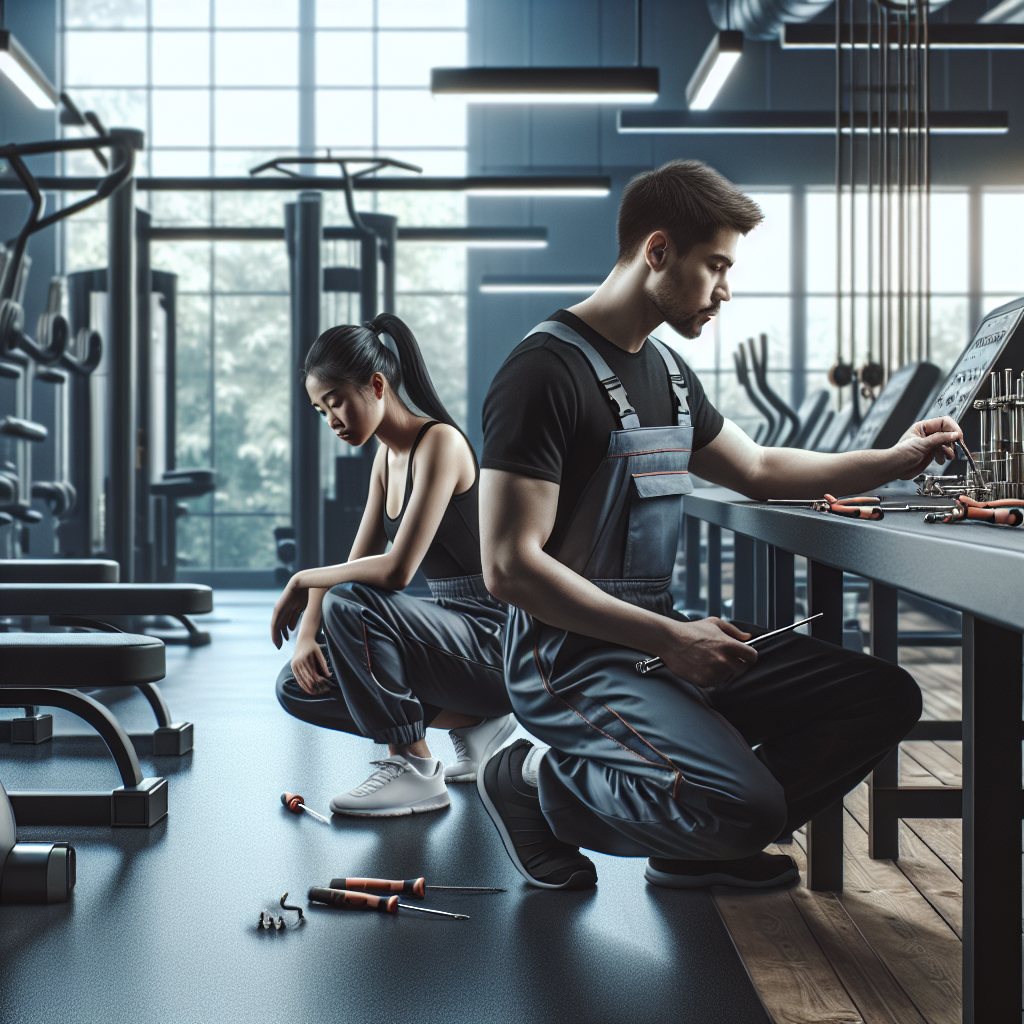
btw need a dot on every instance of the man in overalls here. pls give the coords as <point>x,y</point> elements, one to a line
<point>590,431</point>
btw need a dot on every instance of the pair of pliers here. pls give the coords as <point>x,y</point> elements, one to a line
<point>1003,512</point>
<point>852,508</point>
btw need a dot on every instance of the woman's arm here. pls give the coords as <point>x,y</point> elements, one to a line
<point>309,666</point>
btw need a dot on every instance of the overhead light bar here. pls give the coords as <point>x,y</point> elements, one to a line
<point>547,85</point>
<point>940,37</point>
<point>563,284</point>
<point>25,73</point>
<point>714,68</point>
<point>482,185</point>
<point>798,122</point>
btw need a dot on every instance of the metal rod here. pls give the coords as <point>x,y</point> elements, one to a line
<point>440,913</point>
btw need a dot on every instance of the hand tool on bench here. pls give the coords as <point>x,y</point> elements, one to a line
<point>345,900</point>
<point>408,886</point>
<point>811,502</point>
<point>652,664</point>
<point>962,513</point>
<point>296,804</point>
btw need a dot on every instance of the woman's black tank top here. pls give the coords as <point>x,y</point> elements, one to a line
<point>455,549</point>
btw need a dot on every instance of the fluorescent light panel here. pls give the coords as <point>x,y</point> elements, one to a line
<point>25,73</point>
<point>538,285</point>
<point>714,68</point>
<point>940,37</point>
<point>547,85</point>
<point>796,122</point>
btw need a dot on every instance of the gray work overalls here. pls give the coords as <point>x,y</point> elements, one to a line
<point>627,749</point>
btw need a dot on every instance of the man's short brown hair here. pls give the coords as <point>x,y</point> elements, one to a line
<point>686,199</point>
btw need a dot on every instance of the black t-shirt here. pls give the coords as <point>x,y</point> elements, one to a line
<point>546,416</point>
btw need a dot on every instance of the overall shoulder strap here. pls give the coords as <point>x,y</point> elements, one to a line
<point>679,388</point>
<point>611,384</point>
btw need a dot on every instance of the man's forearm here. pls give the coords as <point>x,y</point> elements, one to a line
<point>795,473</point>
<point>553,593</point>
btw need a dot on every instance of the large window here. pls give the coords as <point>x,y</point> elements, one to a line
<point>219,86</point>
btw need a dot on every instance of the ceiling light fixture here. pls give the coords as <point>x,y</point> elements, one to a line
<point>714,68</point>
<point>796,122</point>
<point>635,84</point>
<point>537,285</point>
<point>25,73</point>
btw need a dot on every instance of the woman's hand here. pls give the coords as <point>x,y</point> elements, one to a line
<point>287,611</point>
<point>309,666</point>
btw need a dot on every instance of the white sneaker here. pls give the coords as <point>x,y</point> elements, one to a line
<point>475,743</point>
<point>393,790</point>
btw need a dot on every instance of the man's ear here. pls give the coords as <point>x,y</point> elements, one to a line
<point>655,250</point>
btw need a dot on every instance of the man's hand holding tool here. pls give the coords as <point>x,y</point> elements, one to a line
<point>708,652</point>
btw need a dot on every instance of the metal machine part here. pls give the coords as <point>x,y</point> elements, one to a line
<point>1000,461</point>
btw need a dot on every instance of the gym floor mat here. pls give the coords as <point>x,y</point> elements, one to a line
<point>162,925</point>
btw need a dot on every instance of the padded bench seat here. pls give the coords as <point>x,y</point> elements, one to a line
<point>46,669</point>
<point>74,660</point>
<point>59,570</point>
<point>97,600</point>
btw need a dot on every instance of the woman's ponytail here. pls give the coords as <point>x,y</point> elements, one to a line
<point>415,376</point>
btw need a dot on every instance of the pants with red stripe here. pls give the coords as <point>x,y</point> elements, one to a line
<point>397,661</point>
<point>654,766</point>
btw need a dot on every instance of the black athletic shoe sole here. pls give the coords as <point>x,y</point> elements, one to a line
<point>577,880</point>
<point>673,881</point>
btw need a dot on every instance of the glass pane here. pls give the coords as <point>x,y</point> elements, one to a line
<point>762,257</point>
<point>257,267</point>
<point>180,162</point>
<point>439,323</point>
<point>344,58</point>
<point>423,209</point>
<point>949,246</point>
<point>441,163</point>
<point>257,13</point>
<point>86,242</point>
<point>181,13</point>
<point>252,378</point>
<point>431,268</point>
<point>105,58</point>
<point>421,13</point>
<point>252,209</point>
<point>701,353</point>
<point>821,333</point>
<point>193,394</point>
<point>181,58</point>
<point>180,208</point>
<point>246,542</point>
<point>194,541</point>
<point>181,117</point>
<point>190,261</point>
<point>1003,225</point>
<point>344,13</point>
<point>745,318</point>
<point>116,108</point>
<point>240,161</point>
<point>412,117</point>
<point>257,118</point>
<point>821,241</point>
<point>405,58</point>
<point>949,330</point>
<point>105,13</point>
<point>344,117</point>
<point>257,58</point>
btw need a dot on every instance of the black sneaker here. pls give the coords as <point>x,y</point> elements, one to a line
<point>514,808</point>
<point>762,871</point>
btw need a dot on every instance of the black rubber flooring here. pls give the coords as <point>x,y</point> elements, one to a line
<point>162,925</point>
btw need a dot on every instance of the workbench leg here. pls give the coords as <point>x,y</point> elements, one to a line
<point>825,830</point>
<point>780,604</point>
<point>762,581</point>
<point>743,578</point>
<point>691,540</point>
<point>992,681</point>
<point>714,569</point>
<point>884,829</point>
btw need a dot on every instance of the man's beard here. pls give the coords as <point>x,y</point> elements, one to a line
<point>684,322</point>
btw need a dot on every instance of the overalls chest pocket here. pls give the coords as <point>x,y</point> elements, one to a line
<point>659,478</point>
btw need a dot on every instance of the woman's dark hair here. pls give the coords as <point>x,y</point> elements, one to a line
<point>352,355</point>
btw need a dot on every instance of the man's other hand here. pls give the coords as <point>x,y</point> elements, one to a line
<point>707,653</point>
<point>924,442</point>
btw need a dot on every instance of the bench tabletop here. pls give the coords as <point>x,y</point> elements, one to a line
<point>59,570</point>
<point>72,660</point>
<point>104,599</point>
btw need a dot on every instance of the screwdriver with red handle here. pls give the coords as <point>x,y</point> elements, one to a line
<point>345,900</point>
<point>408,887</point>
<point>297,804</point>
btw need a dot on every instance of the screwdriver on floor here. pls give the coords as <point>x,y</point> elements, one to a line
<point>296,804</point>
<point>345,900</point>
<point>409,886</point>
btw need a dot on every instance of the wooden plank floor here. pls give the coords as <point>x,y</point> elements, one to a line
<point>887,948</point>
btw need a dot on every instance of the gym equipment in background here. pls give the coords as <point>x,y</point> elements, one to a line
<point>895,409</point>
<point>32,872</point>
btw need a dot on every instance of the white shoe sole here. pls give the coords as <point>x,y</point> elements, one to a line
<point>496,741</point>
<point>669,881</point>
<point>433,803</point>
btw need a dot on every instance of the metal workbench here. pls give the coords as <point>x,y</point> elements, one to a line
<point>971,567</point>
